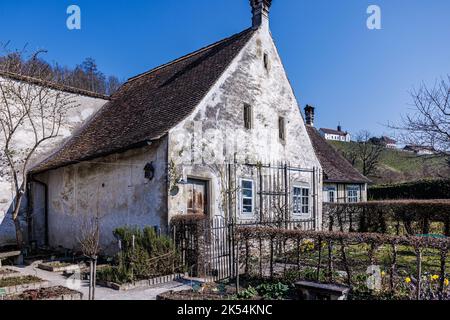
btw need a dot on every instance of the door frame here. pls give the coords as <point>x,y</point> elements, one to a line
<point>207,183</point>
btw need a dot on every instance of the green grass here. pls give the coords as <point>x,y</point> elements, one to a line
<point>398,166</point>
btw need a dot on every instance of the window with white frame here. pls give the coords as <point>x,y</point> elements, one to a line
<point>329,194</point>
<point>301,201</point>
<point>352,194</point>
<point>247,197</point>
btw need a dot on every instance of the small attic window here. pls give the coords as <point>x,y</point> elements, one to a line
<point>248,116</point>
<point>266,61</point>
<point>282,129</point>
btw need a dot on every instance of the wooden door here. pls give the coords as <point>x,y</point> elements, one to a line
<point>197,201</point>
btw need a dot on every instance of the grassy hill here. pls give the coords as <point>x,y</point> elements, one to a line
<point>397,166</point>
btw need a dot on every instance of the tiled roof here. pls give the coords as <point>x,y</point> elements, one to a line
<point>52,85</point>
<point>388,140</point>
<point>149,105</point>
<point>331,131</point>
<point>335,167</point>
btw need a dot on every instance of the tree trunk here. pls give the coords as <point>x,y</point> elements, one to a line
<point>16,219</point>
<point>94,277</point>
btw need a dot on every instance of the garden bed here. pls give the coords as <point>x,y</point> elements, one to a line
<point>58,266</point>
<point>17,285</point>
<point>254,289</point>
<point>7,273</point>
<point>189,295</point>
<point>139,284</point>
<point>51,293</point>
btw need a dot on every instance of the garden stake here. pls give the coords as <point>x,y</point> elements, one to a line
<point>271,257</point>
<point>393,267</point>
<point>320,259</point>
<point>344,260</point>
<point>247,255</point>
<point>444,252</point>
<point>330,261</point>
<point>260,258</point>
<point>237,266</point>
<point>419,272</point>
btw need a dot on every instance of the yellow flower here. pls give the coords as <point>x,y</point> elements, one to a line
<point>383,273</point>
<point>408,280</point>
<point>434,277</point>
<point>446,282</point>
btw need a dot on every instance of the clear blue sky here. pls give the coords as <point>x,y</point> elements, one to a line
<point>351,74</point>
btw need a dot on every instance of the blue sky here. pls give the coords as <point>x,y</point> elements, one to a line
<point>353,75</point>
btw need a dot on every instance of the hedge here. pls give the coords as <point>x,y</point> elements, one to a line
<point>424,189</point>
<point>394,216</point>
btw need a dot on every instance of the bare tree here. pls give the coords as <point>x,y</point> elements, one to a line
<point>429,123</point>
<point>30,116</point>
<point>367,153</point>
<point>90,246</point>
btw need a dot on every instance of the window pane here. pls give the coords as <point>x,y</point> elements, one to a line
<point>247,209</point>
<point>247,184</point>
<point>247,193</point>
<point>247,202</point>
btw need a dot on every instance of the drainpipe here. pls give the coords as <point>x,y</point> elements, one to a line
<point>46,235</point>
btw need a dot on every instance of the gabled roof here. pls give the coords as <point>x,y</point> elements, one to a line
<point>335,167</point>
<point>332,131</point>
<point>149,105</point>
<point>52,85</point>
<point>388,140</point>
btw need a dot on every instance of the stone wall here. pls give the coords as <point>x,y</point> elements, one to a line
<point>112,188</point>
<point>85,107</point>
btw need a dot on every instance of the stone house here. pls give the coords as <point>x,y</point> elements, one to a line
<point>342,183</point>
<point>182,139</point>
<point>84,104</point>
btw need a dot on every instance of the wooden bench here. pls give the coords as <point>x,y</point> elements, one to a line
<point>11,254</point>
<point>320,291</point>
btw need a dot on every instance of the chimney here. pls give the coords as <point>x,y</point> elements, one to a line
<point>260,10</point>
<point>339,128</point>
<point>309,115</point>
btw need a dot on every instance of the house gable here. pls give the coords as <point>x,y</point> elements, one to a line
<point>215,133</point>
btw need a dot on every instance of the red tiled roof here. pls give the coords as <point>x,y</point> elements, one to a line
<point>149,105</point>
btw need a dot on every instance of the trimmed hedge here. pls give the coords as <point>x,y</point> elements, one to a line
<point>411,216</point>
<point>424,189</point>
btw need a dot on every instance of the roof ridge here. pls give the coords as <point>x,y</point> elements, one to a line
<point>52,85</point>
<point>189,55</point>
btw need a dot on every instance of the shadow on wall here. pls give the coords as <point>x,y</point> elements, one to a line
<point>7,228</point>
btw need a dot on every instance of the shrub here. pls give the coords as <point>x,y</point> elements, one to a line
<point>275,291</point>
<point>143,255</point>
<point>425,189</point>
